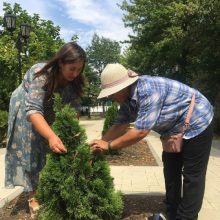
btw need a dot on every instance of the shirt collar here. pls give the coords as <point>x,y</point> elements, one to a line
<point>133,94</point>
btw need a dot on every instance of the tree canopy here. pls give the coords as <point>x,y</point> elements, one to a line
<point>100,52</point>
<point>44,41</point>
<point>178,39</point>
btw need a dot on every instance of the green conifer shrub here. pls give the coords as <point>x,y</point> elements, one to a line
<point>110,117</point>
<point>3,127</point>
<point>76,185</point>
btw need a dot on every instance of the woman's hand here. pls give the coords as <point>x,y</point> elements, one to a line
<point>44,129</point>
<point>56,145</point>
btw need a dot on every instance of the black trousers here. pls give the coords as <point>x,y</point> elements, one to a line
<point>184,198</point>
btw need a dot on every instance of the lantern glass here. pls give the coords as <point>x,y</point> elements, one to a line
<point>25,30</point>
<point>10,21</point>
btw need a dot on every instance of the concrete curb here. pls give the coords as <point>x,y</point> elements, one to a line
<point>6,195</point>
<point>9,194</point>
<point>156,156</point>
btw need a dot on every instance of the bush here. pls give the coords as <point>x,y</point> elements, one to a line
<point>110,117</point>
<point>3,127</point>
<point>76,185</point>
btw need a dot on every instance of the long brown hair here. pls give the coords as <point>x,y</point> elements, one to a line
<point>69,53</point>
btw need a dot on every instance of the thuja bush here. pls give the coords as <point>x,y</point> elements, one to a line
<point>3,127</point>
<point>110,117</point>
<point>76,185</point>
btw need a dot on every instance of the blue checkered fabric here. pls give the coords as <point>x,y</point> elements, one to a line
<point>161,104</point>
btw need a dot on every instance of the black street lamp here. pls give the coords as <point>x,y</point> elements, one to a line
<point>10,25</point>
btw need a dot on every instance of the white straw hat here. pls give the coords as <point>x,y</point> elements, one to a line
<point>114,78</point>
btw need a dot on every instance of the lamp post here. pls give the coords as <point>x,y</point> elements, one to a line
<point>23,35</point>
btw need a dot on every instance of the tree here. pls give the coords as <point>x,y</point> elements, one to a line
<point>91,91</point>
<point>76,185</point>
<point>101,52</point>
<point>44,41</point>
<point>178,39</point>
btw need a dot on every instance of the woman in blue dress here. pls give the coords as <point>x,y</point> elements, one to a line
<point>31,114</point>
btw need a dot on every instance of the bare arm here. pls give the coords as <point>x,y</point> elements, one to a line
<point>44,130</point>
<point>115,131</point>
<point>130,137</point>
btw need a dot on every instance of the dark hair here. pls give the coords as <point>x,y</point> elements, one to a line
<point>69,53</point>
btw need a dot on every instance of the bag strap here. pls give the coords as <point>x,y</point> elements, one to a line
<point>189,113</point>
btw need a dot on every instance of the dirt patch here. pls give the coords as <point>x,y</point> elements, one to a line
<point>138,207</point>
<point>138,154</point>
<point>17,209</point>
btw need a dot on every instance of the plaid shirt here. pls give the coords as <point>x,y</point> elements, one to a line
<point>161,104</point>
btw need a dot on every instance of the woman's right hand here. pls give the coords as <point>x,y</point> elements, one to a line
<point>44,129</point>
<point>56,145</point>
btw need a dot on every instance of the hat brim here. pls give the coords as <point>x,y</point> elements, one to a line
<point>112,90</point>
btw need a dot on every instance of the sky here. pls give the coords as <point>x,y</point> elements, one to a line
<point>79,17</point>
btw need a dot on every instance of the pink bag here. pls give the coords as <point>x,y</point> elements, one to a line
<point>174,143</point>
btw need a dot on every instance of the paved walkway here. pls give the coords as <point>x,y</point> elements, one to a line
<point>144,179</point>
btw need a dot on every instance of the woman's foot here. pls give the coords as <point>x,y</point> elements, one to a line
<point>33,205</point>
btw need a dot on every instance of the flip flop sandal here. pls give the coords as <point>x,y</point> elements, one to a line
<point>33,210</point>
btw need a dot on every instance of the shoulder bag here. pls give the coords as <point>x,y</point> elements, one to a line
<point>173,143</point>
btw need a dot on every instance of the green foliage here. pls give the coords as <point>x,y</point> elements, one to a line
<point>217,122</point>
<point>42,44</point>
<point>110,117</point>
<point>92,87</point>
<point>76,185</point>
<point>171,33</point>
<point>3,126</point>
<point>100,52</point>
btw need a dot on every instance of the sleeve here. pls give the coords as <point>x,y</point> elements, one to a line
<point>149,110</point>
<point>123,116</point>
<point>35,96</point>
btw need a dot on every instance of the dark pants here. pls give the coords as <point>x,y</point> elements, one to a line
<point>184,199</point>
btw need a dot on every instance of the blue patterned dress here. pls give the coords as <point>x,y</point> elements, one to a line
<point>26,148</point>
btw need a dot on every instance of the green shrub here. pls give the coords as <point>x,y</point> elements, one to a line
<point>3,127</point>
<point>76,185</point>
<point>110,117</point>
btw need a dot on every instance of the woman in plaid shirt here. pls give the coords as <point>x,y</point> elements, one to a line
<point>161,104</point>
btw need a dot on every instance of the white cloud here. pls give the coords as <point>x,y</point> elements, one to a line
<point>95,16</point>
<point>84,36</point>
<point>103,17</point>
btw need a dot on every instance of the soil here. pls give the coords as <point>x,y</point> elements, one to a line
<point>137,154</point>
<point>136,207</point>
